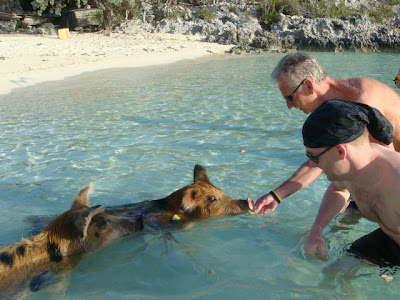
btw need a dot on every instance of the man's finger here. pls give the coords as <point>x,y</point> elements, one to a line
<point>250,203</point>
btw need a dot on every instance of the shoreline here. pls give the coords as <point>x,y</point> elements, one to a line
<point>41,58</point>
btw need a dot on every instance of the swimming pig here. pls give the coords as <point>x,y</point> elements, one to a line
<point>80,229</point>
<point>198,200</point>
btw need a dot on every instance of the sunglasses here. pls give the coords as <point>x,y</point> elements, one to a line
<point>313,158</point>
<point>290,97</point>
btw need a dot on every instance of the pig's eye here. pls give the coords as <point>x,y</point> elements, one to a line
<point>103,224</point>
<point>212,199</point>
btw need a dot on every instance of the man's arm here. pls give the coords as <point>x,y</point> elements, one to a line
<point>333,201</point>
<point>306,174</point>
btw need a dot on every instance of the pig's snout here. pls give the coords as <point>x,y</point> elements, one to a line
<point>244,205</point>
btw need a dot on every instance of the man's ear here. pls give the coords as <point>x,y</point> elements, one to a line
<point>309,82</point>
<point>342,151</point>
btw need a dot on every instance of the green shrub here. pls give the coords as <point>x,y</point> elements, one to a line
<point>383,13</point>
<point>176,14</point>
<point>269,10</point>
<point>326,9</point>
<point>292,7</point>
<point>246,17</point>
<point>55,6</point>
<point>206,14</point>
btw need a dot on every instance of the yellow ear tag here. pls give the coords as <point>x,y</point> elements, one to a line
<point>176,218</point>
<point>387,278</point>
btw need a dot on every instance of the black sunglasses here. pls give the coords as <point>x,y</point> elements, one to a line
<point>290,97</point>
<point>313,158</point>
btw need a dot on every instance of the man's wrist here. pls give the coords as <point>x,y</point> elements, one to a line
<point>316,230</point>
<point>276,196</point>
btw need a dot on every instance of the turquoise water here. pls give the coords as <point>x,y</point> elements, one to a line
<point>137,134</point>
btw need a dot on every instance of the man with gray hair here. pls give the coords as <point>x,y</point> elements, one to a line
<point>336,139</point>
<point>305,85</point>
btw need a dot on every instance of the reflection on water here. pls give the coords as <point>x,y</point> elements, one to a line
<point>137,134</point>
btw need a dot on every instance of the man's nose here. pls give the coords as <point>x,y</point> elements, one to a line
<point>289,104</point>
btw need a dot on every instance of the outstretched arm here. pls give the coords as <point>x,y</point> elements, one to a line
<point>333,201</point>
<point>306,174</point>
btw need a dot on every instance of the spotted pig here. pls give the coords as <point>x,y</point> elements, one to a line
<point>80,229</point>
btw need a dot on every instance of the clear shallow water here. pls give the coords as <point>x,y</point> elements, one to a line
<point>137,134</point>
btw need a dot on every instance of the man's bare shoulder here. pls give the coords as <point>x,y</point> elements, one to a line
<point>392,158</point>
<point>359,81</point>
<point>374,92</point>
<point>370,84</point>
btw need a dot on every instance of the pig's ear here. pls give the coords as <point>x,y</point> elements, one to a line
<point>189,199</point>
<point>200,174</point>
<point>82,198</point>
<point>83,217</point>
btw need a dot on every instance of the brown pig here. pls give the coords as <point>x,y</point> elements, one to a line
<point>80,229</point>
<point>198,200</point>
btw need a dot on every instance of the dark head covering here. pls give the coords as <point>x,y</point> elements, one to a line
<point>340,121</point>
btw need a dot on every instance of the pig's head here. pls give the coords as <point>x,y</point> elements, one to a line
<point>203,200</point>
<point>84,228</point>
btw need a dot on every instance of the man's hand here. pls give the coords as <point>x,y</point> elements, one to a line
<point>315,246</point>
<point>265,204</point>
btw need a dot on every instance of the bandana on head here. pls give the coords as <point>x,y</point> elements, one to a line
<point>340,121</point>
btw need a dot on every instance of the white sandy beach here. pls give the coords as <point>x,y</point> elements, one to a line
<point>29,59</point>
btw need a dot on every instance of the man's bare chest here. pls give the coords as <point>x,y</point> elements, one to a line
<point>373,207</point>
<point>369,204</point>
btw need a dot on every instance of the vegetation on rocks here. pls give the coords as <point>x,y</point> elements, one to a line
<point>53,6</point>
<point>206,14</point>
<point>269,10</point>
<point>272,25</point>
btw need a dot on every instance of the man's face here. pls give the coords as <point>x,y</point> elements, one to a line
<point>302,98</point>
<point>326,159</point>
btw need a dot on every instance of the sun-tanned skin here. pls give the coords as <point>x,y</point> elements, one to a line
<point>311,94</point>
<point>371,173</point>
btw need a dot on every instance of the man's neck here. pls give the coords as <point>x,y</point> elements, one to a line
<point>339,89</point>
<point>365,170</point>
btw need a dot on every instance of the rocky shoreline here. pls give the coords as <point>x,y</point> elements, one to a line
<point>238,25</point>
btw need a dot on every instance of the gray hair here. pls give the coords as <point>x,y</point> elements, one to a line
<point>294,67</point>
